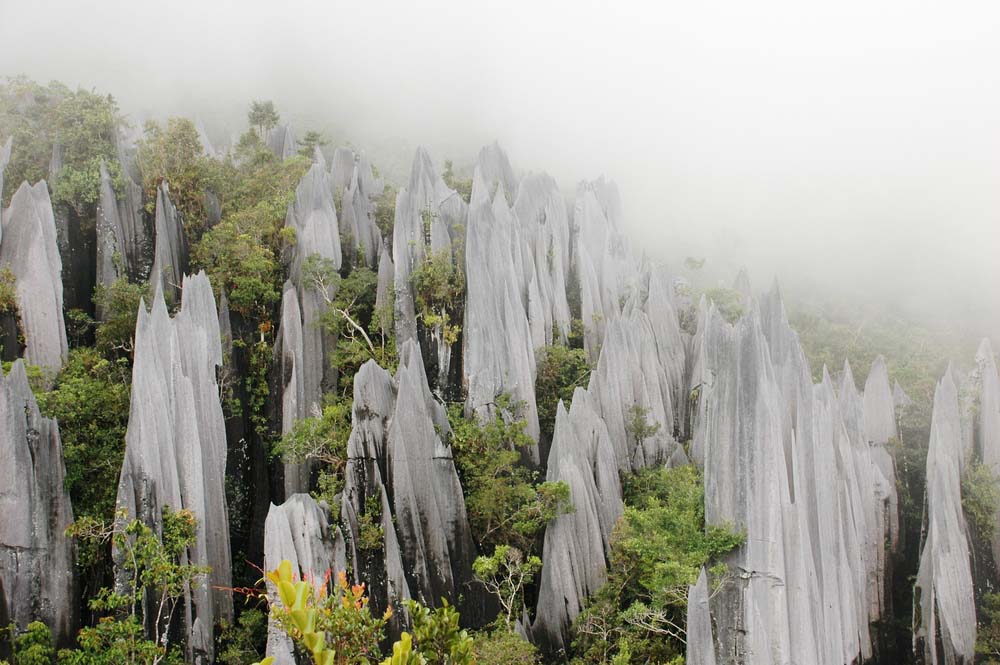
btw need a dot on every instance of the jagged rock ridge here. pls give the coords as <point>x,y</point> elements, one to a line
<point>175,450</point>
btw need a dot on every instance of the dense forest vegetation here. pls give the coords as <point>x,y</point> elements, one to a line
<point>657,549</point>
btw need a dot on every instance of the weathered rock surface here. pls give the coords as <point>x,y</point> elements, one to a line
<point>28,249</point>
<point>281,141</point>
<point>122,243</point>
<point>880,427</point>
<point>302,337</point>
<point>428,216</point>
<point>577,543</point>
<point>988,427</point>
<point>357,212</point>
<point>37,576</point>
<point>298,531</point>
<point>170,253</point>
<point>399,466</point>
<point>791,465</point>
<point>175,447</point>
<point>945,625</point>
<point>498,353</point>
<point>544,230</point>
<point>700,643</point>
<point>427,499</point>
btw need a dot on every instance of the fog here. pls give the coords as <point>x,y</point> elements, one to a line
<point>852,149</point>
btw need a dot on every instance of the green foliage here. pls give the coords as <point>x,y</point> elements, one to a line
<point>309,143</point>
<point>502,646</point>
<point>33,646</point>
<point>505,574</point>
<point>91,401</point>
<point>8,291</point>
<point>335,627</point>
<point>988,630</point>
<point>120,306</point>
<point>156,570</point>
<point>322,440</point>
<point>241,254</point>
<point>438,290</point>
<point>385,211</point>
<point>370,532</point>
<point>461,185</point>
<point>174,153</point>
<point>262,116</point>
<point>244,641</point>
<point>728,301</point>
<point>438,636</point>
<point>84,124</point>
<point>638,425</point>
<point>363,333</point>
<point>505,502</point>
<point>658,548</point>
<point>560,370</point>
<point>403,652</point>
<point>980,500</point>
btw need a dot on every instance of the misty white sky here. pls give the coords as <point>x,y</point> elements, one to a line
<point>848,146</point>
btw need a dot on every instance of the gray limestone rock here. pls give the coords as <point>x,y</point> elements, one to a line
<point>427,219</point>
<point>342,168</point>
<point>880,427</point>
<point>37,576</point>
<point>314,219</point>
<point>700,643</point>
<point>427,500</point>
<point>384,289</point>
<point>298,531</point>
<point>29,250</point>
<point>281,141</point>
<point>541,213</point>
<point>498,352</point>
<point>577,543</point>
<point>945,625</point>
<point>365,493</point>
<point>496,170</point>
<point>988,427</point>
<point>122,243</point>
<point>399,465</point>
<point>289,363</point>
<point>170,253</point>
<point>175,446</point>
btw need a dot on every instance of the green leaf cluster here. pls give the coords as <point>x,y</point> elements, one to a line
<point>658,548</point>
<point>505,502</point>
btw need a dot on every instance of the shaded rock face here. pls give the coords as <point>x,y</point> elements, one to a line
<point>175,445</point>
<point>427,220</point>
<point>37,581</point>
<point>498,353</point>
<point>788,463</point>
<point>298,531</point>
<point>28,249</point>
<point>400,475</point>
<point>700,643</point>
<point>945,613</point>
<point>170,253</point>
<point>577,543</point>
<point>122,243</point>
<point>880,427</point>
